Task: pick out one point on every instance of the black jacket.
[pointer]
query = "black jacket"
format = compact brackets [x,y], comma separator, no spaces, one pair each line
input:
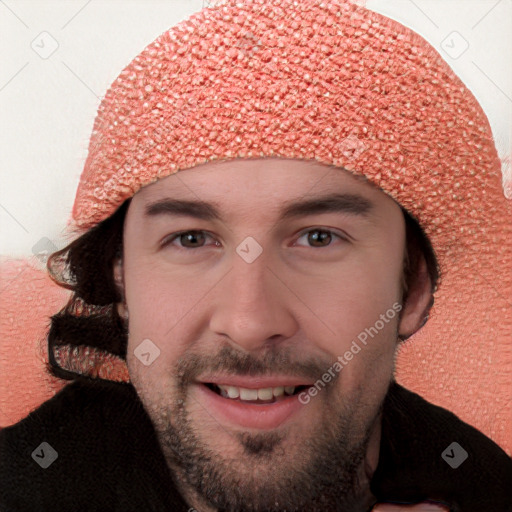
[109,459]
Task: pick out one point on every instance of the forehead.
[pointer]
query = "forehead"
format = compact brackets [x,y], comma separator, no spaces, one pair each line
[281,187]
[270,177]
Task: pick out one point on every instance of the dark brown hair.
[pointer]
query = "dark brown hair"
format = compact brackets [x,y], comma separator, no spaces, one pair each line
[86,266]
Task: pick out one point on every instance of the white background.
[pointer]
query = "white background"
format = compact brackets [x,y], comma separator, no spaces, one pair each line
[47,106]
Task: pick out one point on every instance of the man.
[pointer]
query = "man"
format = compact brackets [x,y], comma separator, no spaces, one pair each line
[261,359]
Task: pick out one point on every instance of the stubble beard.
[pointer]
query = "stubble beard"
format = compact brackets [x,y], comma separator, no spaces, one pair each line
[326,472]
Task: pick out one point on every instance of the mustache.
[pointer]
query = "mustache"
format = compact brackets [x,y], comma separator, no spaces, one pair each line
[232,362]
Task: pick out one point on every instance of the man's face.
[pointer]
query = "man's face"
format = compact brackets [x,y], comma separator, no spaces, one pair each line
[224,316]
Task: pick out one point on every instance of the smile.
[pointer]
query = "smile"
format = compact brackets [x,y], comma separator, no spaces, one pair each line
[261,395]
[261,404]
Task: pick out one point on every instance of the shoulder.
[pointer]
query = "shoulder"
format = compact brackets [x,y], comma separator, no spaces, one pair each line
[427,452]
[91,443]
[84,405]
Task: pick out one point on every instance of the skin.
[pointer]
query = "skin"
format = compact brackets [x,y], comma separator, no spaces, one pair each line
[293,311]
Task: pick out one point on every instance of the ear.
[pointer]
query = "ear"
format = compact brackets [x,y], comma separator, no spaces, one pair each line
[418,302]
[119,281]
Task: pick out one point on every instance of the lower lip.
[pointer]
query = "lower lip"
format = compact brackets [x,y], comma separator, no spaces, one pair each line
[247,415]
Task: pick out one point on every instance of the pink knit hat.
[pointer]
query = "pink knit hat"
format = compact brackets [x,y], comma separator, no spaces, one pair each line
[328,81]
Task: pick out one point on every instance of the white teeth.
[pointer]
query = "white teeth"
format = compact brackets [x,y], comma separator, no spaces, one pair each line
[232,392]
[265,394]
[248,394]
[255,394]
[279,391]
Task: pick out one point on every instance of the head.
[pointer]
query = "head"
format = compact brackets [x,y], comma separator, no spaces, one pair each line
[209,316]
[249,292]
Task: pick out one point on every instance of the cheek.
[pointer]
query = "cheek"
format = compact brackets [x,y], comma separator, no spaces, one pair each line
[356,318]
[375,284]
[354,298]
[156,311]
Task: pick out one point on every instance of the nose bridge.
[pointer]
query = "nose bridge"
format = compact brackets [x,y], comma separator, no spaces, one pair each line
[249,281]
[252,309]
[250,260]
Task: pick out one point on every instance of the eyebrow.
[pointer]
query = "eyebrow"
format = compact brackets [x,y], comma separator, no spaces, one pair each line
[353,204]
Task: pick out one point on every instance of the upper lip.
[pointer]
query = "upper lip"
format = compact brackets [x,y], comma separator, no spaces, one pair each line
[254,382]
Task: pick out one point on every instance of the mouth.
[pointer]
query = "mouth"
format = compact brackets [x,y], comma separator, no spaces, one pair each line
[264,395]
[260,403]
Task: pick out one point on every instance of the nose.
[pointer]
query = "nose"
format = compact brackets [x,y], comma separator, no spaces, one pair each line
[254,306]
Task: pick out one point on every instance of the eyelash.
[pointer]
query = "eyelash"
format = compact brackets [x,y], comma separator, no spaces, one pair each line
[171,238]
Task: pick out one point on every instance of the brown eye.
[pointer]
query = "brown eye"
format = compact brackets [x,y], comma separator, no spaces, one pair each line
[187,239]
[320,237]
[193,237]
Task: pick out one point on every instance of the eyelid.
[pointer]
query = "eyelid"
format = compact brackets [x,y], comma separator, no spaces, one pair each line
[169,239]
[335,231]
